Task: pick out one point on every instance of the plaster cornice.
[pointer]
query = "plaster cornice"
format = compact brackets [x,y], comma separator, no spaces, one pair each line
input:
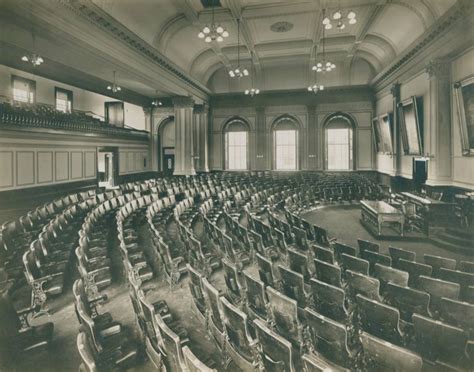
[100,18]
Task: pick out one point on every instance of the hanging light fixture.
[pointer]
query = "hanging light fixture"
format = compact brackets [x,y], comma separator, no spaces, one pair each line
[156,102]
[114,87]
[213,32]
[253,90]
[315,88]
[238,71]
[340,19]
[33,58]
[324,65]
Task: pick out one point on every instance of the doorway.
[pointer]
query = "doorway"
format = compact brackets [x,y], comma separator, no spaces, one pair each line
[107,159]
[168,161]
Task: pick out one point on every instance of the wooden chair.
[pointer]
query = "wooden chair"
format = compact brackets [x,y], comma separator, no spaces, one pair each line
[438,289]
[387,275]
[353,263]
[465,280]
[323,254]
[283,316]
[438,262]
[365,245]
[380,320]
[329,300]
[376,258]
[362,284]
[380,355]
[414,270]
[265,271]
[340,248]
[448,349]
[276,352]
[329,339]
[407,300]
[328,273]
[238,335]
[292,285]
[256,297]
[398,253]
[459,314]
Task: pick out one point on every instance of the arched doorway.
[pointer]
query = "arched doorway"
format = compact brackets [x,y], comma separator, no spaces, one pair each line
[236,144]
[166,145]
[339,142]
[285,135]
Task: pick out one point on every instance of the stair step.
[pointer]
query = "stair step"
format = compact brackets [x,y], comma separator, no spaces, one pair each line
[452,247]
[460,232]
[455,239]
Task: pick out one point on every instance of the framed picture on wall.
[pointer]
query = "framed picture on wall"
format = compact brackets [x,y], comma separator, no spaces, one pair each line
[411,125]
[378,142]
[386,132]
[464,92]
[382,127]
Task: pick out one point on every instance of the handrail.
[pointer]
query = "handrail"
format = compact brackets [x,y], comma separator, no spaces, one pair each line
[20,118]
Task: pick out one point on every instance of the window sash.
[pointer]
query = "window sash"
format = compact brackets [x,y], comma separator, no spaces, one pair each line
[23,90]
[236,150]
[285,149]
[339,149]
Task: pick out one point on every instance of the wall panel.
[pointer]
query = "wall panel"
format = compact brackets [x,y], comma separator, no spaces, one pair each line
[62,165]
[89,164]
[6,169]
[25,168]
[77,165]
[44,161]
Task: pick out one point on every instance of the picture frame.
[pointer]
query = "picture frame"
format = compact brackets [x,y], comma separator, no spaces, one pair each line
[464,96]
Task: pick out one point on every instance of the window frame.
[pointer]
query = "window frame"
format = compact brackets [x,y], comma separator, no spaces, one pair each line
[31,86]
[106,112]
[226,148]
[275,150]
[352,141]
[69,94]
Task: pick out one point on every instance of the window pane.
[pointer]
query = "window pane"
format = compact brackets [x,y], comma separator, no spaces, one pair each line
[236,150]
[285,149]
[339,149]
[62,101]
[22,91]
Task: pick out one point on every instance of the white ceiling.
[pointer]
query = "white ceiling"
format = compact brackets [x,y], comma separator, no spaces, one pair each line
[282,60]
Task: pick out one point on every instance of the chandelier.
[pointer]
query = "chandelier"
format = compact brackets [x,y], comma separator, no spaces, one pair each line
[324,66]
[213,32]
[238,71]
[34,59]
[340,19]
[114,87]
[315,88]
[156,102]
[252,92]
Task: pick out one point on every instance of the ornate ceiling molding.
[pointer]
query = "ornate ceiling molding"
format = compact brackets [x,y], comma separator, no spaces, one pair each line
[100,18]
[443,25]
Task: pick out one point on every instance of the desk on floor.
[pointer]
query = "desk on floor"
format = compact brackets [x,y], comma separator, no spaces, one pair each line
[377,213]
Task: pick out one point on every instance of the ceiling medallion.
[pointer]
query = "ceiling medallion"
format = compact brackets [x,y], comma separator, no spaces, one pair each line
[281,26]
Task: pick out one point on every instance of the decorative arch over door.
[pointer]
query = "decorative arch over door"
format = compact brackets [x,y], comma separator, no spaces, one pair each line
[339,142]
[236,144]
[166,140]
[285,136]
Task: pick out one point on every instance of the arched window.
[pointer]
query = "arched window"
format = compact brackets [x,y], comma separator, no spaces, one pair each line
[339,144]
[285,144]
[236,145]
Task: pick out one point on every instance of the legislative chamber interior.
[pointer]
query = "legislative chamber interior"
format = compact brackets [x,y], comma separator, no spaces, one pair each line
[236,185]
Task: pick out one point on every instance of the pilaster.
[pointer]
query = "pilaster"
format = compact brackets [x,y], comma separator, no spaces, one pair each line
[184,151]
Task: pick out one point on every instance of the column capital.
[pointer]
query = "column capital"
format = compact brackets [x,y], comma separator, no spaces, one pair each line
[260,109]
[395,90]
[183,102]
[147,110]
[201,109]
[438,68]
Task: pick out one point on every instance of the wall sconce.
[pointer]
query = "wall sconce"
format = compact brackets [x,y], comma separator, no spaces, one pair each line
[311,156]
[259,156]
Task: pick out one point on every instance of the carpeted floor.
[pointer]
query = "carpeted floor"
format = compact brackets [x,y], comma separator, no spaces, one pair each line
[342,222]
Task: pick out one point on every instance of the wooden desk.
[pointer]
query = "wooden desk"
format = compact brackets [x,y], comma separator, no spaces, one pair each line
[378,212]
[432,212]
